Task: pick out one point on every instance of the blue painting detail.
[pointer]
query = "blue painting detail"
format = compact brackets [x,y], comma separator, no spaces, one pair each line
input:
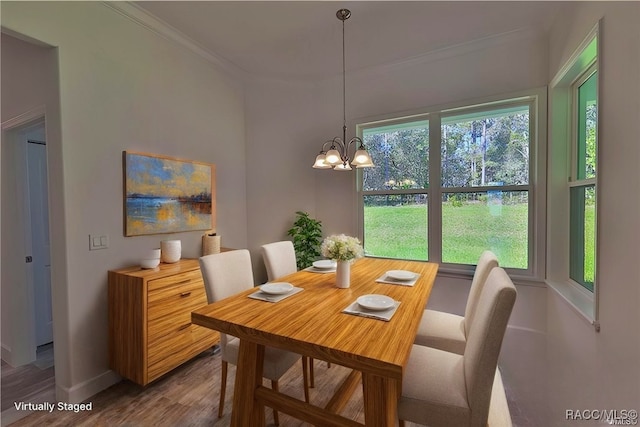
[166,195]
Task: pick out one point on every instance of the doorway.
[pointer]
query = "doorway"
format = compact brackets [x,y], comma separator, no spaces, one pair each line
[32,376]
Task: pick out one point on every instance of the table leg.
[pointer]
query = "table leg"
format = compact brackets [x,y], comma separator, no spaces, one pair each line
[380,400]
[246,409]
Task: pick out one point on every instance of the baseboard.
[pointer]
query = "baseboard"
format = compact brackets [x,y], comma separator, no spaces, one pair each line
[85,390]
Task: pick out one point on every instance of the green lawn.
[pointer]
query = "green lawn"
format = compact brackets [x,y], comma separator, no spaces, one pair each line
[589,244]
[467,230]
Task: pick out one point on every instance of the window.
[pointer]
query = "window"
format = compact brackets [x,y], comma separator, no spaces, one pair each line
[582,181]
[395,190]
[572,190]
[449,184]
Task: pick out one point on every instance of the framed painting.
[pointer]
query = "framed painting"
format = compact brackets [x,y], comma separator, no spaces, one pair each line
[167,195]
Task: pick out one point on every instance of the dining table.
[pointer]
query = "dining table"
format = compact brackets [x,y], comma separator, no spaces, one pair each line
[312,322]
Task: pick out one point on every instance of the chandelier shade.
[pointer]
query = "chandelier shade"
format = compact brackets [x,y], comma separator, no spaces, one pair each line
[335,153]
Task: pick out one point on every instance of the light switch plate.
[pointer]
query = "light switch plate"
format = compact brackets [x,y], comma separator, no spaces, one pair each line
[98,241]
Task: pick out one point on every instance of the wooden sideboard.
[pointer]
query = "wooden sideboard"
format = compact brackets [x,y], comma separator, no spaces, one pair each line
[150,329]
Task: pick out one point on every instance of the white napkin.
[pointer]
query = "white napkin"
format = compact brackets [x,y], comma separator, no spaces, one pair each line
[312,269]
[385,279]
[356,309]
[263,296]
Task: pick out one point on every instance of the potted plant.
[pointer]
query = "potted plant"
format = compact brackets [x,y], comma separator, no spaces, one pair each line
[306,233]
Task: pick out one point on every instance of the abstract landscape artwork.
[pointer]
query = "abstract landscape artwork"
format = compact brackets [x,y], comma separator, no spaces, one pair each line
[167,195]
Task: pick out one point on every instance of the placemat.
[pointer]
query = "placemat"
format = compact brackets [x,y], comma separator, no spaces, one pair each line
[263,296]
[312,269]
[385,279]
[357,310]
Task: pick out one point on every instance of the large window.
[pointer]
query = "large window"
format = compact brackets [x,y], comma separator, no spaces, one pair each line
[450,184]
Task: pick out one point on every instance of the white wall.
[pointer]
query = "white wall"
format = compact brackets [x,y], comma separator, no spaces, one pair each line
[586,369]
[121,87]
[293,119]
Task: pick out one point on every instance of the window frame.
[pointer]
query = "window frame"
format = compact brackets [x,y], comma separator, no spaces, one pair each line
[536,100]
[562,166]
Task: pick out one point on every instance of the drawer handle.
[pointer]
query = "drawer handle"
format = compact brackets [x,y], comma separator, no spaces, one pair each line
[183,327]
[185,294]
[183,282]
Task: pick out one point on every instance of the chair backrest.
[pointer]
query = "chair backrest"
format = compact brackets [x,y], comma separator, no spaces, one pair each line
[486,263]
[485,340]
[279,258]
[226,273]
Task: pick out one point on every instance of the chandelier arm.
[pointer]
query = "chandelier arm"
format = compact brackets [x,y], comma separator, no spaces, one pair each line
[324,146]
[340,144]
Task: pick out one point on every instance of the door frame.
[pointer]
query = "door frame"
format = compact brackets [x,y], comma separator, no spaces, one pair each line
[23,351]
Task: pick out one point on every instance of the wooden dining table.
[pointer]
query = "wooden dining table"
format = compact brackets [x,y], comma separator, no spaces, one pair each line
[312,323]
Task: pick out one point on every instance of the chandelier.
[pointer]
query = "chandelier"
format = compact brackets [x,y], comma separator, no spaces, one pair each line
[337,157]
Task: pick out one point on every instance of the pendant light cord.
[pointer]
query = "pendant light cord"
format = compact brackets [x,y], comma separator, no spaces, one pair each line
[344,91]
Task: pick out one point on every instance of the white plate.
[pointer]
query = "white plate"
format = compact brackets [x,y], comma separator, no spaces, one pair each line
[376,302]
[276,288]
[324,264]
[401,274]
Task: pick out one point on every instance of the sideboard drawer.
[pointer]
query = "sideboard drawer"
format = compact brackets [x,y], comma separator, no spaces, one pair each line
[183,278]
[177,320]
[175,299]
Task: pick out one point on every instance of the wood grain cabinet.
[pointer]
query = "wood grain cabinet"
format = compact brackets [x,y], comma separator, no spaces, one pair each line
[150,329]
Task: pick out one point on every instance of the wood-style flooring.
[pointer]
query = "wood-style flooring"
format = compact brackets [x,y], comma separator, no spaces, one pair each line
[188,396]
[30,383]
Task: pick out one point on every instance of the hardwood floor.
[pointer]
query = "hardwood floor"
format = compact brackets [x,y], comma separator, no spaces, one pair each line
[30,383]
[188,396]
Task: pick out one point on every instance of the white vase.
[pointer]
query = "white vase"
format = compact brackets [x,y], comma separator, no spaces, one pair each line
[343,274]
[171,250]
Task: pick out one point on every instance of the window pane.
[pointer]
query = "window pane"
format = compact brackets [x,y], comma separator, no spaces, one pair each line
[583,235]
[494,220]
[488,148]
[587,120]
[400,154]
[395,226]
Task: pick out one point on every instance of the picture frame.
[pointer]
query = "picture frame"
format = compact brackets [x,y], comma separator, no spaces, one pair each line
[165,194]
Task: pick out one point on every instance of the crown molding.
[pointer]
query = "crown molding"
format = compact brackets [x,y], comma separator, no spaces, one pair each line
[141,17]
[145,19]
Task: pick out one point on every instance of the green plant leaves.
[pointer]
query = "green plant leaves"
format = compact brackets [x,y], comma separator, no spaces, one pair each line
[307,234]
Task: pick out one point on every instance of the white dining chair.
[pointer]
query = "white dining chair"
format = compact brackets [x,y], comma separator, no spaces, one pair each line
[280,259]
[443,389]
[448,331]
[226,274]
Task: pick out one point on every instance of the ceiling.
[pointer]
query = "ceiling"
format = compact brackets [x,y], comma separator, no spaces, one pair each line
[303,39]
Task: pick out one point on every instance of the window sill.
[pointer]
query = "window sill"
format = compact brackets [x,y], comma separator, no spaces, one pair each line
[582,303]
[520,280]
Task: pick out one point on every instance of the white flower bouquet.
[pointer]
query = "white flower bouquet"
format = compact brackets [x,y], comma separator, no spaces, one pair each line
[340,247]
